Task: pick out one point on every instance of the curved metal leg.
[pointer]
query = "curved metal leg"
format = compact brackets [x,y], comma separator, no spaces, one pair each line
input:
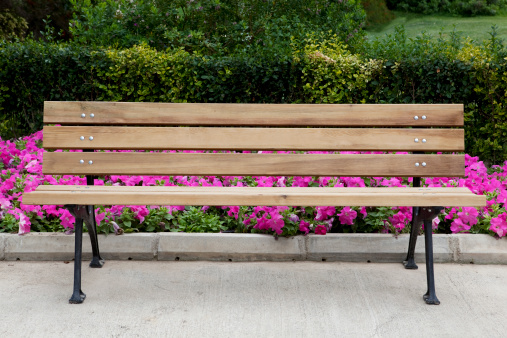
[77,295]
[409,262]
[97,261]
[430,296]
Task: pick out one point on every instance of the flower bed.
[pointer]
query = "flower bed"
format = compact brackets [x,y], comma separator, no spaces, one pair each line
[21,171]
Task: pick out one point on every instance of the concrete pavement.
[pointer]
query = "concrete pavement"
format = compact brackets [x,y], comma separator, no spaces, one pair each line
[251,299]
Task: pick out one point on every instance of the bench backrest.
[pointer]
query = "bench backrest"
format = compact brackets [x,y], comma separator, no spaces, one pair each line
[245,129]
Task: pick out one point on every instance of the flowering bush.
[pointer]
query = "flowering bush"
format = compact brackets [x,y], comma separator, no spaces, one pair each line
[21,171]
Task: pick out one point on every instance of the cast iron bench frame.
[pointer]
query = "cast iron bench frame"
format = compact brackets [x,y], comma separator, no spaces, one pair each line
[97,126]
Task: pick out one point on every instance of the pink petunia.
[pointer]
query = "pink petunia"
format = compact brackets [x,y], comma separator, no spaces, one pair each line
[347,216]
[468,215]
[499,225]
[320,230]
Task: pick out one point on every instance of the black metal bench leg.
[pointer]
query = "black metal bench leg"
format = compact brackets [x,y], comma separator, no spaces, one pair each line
[430,297]
[78,296]
[97,261]
[414,232]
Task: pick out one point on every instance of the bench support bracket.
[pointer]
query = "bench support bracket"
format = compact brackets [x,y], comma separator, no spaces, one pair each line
[86,214]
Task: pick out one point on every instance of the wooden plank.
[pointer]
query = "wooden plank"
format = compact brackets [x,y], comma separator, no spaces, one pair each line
[225,190]
[252,197]
[238,164]
[126,113]
[234,138]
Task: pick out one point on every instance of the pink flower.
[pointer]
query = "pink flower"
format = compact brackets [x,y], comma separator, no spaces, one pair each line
[320,230]
[347,216]
[304,227]
[233,211]
[468,215]
[457,226]
[398,220]
[24,224]
[324,212]
[499,225]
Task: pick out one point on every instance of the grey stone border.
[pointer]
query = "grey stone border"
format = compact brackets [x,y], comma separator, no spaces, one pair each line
[459,248]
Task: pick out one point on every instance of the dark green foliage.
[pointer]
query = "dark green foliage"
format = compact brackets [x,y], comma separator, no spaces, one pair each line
[457,7]
[218,27]
[32,73]
[35,13]
[11,25]
[377,12]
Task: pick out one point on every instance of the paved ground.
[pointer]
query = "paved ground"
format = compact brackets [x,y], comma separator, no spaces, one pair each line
[257,299]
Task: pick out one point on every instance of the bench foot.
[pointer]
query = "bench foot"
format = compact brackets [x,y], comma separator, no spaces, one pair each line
[77,298]
[431,299]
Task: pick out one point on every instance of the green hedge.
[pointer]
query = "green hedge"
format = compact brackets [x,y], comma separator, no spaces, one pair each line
[395,70]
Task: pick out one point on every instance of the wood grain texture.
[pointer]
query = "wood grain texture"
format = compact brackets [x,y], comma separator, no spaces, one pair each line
[234,138]
[142,113]
[217,196]
[237,164]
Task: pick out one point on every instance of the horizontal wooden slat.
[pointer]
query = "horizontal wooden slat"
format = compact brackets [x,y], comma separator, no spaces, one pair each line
[234,138]
[90,195]
[125,113]
[236,164]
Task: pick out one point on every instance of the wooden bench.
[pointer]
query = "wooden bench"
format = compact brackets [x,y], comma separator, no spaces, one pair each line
[98,126]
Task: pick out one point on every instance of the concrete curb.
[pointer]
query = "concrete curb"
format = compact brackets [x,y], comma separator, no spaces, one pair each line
[459,248]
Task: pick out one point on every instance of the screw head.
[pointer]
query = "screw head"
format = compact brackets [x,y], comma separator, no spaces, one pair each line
[423,117]
[91,138]
[92,115]
[416,140]
[417,164]
[81,138]
[416,117]
[424,140]
[81,161]
[83,115]
[424,164]
[90,162]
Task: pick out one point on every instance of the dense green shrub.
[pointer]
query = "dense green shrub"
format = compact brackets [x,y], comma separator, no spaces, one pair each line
[11,25]
[393,70]
[212,27]
[31,73]
[377,12]
[458,7]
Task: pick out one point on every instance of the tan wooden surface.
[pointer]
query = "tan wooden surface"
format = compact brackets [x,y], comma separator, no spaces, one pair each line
[125,113]
[357,190]
[253,196]
[236,164]
[233,138]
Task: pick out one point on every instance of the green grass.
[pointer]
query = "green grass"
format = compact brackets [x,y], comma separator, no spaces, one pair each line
[477,28]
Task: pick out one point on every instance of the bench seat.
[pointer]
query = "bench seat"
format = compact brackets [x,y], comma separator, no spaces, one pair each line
[270,196]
